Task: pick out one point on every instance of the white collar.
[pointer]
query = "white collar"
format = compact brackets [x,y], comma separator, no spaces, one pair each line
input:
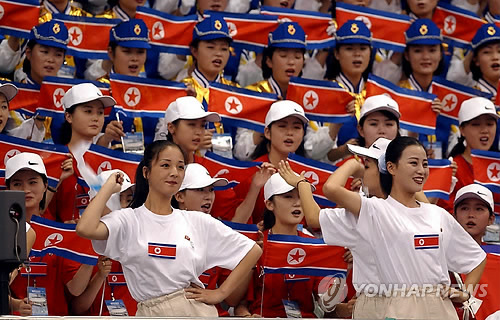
[416,86]
[484,86]
[53,9]
[342,79]
[204,82]
[122,15]
[275,87]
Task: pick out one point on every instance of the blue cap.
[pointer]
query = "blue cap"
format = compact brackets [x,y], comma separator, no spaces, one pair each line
[423,32]
[52,33]
[354,32]
[487,33]
[210,28]
[1,37]
[287,35]
[130,34]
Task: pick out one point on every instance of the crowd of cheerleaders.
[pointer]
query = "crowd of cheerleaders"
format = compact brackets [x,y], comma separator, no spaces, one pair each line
[392,234]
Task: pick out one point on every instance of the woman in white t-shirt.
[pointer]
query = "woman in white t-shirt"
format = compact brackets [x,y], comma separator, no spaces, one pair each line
[163,250]
[413,244]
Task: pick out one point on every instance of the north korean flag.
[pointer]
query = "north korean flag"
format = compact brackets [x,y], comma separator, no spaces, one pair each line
[116,279]
[240,107]
[452,95]
[316,172]
[458,25]
[249,31]
[52,155]
[249,230]
[438,183]
[323,101]
[26,99]
[387,28]
[486,168]
[61,239]
[426,241]
[34,269]
[303,256]
[491,302]
[169,33]
[53,90]
[414,106]
[17,17]
[313,23]
[82,31]
[235,171]
[162,250]
[142,97]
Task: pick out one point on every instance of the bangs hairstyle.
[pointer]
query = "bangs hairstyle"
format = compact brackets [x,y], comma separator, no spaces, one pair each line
[45,181]
[151,153]
[333,68]
[65,131]
[389,115]
[407,70]
[263,147]
[196,43]
[268,54]
[476,71]
[393,154]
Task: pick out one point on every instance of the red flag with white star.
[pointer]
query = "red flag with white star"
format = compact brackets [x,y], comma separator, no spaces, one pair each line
[82,31]
[142,97]
[323,101]
[304,256]
[17,17]
[240,107]
[26,99]
[61,239]
[486,168]
[489,282]
[458,25]
[438,183]
[168,33]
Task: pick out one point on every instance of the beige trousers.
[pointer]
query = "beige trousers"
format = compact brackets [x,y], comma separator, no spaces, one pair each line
[428,306]
[175,305]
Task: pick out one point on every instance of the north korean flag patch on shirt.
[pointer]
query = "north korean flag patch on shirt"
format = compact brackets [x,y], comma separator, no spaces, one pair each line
[426,241]
[162,250]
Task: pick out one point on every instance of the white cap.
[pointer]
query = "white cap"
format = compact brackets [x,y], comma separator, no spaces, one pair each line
[285,108]
[24,160]
[127,183]
[83,93]
[188,108]
[475,191]
[197,176]
[379,103]
[376,150]
[475,107]
[9,90]
[277,185]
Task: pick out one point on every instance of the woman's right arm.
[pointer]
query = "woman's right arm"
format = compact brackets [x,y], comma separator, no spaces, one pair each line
[334,187]
[90,226]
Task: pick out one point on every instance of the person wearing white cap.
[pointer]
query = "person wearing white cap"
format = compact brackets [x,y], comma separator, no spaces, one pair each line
[478,121]
[7,92]
[412,244]
[167,249]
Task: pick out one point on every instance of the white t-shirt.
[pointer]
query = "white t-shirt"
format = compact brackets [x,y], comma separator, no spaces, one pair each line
[201,242]
[338,227]
[399,238]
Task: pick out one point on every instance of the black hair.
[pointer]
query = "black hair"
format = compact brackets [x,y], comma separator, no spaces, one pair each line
[263,147]
[151,153]
[459,148]
[27,64]
[388,114]
[407,66]
[393,154]
[457,204]
[268,54]
[170,137]
[44,198]
[65,132]
[333,67]
[269,217]
[196,43]
[476,71]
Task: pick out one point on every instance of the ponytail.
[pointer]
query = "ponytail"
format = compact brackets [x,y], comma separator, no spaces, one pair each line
[459,148]
[269,219]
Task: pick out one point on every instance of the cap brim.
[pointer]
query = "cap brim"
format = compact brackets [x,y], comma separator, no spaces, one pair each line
[106,101]
[134,44]
[494,115]
[208,116]
[362,151]
[216,182]
[470,195]
[214,36]
[354,41]
[126,186]
[9,175]
[9,90]
[424,42]
[383,108]
[298,115]
[291,45]
[54,44]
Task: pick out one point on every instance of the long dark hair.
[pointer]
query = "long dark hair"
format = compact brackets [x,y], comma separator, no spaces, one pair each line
[333,68]
[65,132]
[263,147]
[476,71]
[407,70]
[268,54]
[459,148]
[269,217]
[26,63]
[44,198]
[389,115]
[151,153]
[393,154]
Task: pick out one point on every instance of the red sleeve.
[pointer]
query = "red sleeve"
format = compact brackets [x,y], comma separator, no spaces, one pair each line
[225,204]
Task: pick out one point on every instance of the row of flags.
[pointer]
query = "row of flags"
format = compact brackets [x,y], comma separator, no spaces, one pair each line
[169,33]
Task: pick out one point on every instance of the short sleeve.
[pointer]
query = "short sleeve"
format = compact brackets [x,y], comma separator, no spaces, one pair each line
[366,218]
[28,227]
[118,229]
[338,227]
[230,246]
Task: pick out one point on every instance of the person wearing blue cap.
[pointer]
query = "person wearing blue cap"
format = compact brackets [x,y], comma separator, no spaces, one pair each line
[282,59]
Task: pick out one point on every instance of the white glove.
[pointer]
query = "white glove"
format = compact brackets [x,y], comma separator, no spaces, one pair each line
[332,28]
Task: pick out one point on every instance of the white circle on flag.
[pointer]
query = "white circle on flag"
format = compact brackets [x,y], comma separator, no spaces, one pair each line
[450,102]
[366,21]
[83,201]
[2,11]
[310,100]
[104,166]
[421,242]
[132,96]
[221,172]
[10,154]
[332,291]
[158,31]
[157,250]
[53,239]
[312,176]
[75,36]
[233,105]
[494,171]
[232,29]
[450,24]
[114,278]
[57,97]
[296,256]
